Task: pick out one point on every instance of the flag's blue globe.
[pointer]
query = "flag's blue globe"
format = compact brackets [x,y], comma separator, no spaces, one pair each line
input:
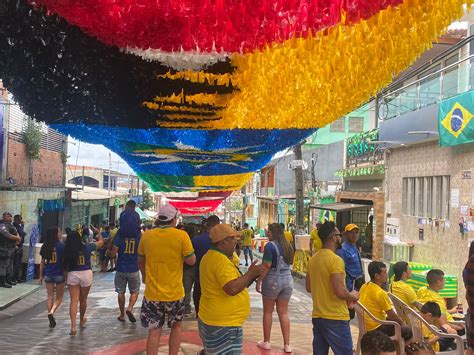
[456,120]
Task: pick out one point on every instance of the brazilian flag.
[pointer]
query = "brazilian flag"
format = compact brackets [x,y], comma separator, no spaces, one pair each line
[455,118]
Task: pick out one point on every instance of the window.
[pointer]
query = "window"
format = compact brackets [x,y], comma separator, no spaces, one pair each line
[356,124]
[426,197]
[339,125]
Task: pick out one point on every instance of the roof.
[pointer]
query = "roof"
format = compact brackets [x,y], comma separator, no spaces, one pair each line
[339,206]
[92,193]
[143,215]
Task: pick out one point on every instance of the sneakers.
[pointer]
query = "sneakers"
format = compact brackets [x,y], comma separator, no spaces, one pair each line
[264,345]
[287,348]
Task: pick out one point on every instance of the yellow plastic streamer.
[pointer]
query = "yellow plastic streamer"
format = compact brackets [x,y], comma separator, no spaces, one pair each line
[221,182]
[199,77]
[308,83]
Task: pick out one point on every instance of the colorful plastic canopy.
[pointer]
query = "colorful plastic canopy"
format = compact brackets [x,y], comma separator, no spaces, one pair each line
[197,95]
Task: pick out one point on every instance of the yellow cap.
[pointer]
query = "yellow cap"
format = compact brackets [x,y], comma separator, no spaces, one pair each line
[351,227]
[222,231]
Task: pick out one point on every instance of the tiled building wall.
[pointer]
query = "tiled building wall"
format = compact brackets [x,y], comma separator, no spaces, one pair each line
[46,172]
[444,247]
[378,201]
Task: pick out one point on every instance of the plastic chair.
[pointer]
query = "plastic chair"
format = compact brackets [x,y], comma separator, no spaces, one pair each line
[363,312]
[417,321]
[399,306]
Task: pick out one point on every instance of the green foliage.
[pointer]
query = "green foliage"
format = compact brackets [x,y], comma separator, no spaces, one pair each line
[64,157]
[147,203]
[32,136]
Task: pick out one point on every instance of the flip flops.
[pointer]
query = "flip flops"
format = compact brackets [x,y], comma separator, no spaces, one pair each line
[131,317]
[52,321]
[120,319]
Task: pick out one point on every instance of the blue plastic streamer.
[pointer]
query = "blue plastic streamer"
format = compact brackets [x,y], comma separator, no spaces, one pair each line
[161,151]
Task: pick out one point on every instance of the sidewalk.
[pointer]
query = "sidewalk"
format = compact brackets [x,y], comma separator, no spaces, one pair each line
[8,296]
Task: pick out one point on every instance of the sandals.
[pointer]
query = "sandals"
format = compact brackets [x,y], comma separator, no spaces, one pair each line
[73,332]
[52,321]
[131,317]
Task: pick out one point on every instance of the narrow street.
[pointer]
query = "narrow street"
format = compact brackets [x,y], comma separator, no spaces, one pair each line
[105,335]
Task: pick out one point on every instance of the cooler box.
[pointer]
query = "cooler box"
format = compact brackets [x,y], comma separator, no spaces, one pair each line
[418,279]
[302,241]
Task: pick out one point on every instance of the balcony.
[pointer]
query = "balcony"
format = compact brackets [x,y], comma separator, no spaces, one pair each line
[442,77]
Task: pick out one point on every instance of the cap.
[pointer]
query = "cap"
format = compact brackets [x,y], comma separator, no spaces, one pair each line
[351,227]
[7,214]
[167,213]
[222,231]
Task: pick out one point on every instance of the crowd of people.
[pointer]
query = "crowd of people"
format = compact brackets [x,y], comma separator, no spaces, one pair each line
[178,263]
[336,281]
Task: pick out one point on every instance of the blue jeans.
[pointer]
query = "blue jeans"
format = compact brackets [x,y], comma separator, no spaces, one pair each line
[334,334]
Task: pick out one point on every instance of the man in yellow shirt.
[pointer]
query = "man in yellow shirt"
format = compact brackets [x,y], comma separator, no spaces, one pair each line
[225,301]
[376,300]
[325,279]
[435,280]
[399,286]
[247,236]
[315,243]
[161,254]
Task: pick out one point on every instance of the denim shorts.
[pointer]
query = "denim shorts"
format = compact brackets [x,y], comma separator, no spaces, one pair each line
[277,286]
[124,278]
[334,334]
[58,279]
[247,250]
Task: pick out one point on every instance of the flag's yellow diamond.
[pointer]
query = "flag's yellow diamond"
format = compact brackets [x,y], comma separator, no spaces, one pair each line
[456,120]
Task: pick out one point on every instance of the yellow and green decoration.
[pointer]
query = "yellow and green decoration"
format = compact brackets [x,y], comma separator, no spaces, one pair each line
[196,95]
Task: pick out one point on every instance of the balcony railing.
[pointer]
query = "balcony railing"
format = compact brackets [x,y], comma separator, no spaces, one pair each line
[430,89]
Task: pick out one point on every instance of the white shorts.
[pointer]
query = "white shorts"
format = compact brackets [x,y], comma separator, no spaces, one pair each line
[83,278]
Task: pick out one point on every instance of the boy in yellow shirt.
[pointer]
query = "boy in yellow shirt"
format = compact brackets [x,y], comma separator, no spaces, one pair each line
[430,313]
[435,280]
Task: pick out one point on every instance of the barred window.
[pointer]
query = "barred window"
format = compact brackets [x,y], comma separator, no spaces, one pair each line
[426,196]
[356,124]
[339,125]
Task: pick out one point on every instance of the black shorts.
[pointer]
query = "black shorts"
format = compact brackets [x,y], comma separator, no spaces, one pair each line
[153,313]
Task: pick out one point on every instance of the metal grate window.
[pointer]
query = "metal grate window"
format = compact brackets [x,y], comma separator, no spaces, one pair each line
[356,124]
[339,125]
[17,122]
[426,197]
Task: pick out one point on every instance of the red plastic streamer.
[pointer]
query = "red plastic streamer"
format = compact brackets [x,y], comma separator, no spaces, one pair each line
[196,206]
[208,25]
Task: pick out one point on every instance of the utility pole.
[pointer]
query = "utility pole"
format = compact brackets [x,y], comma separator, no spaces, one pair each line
[299,189]
[82,179]
[110,172]
[244,204]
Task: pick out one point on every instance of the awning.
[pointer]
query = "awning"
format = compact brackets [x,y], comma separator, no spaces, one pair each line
[340,206]
[143,215]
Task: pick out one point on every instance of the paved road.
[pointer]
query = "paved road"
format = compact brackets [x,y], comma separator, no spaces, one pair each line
[24,326]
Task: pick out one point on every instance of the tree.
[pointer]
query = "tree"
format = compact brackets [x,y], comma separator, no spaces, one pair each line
[148,203]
